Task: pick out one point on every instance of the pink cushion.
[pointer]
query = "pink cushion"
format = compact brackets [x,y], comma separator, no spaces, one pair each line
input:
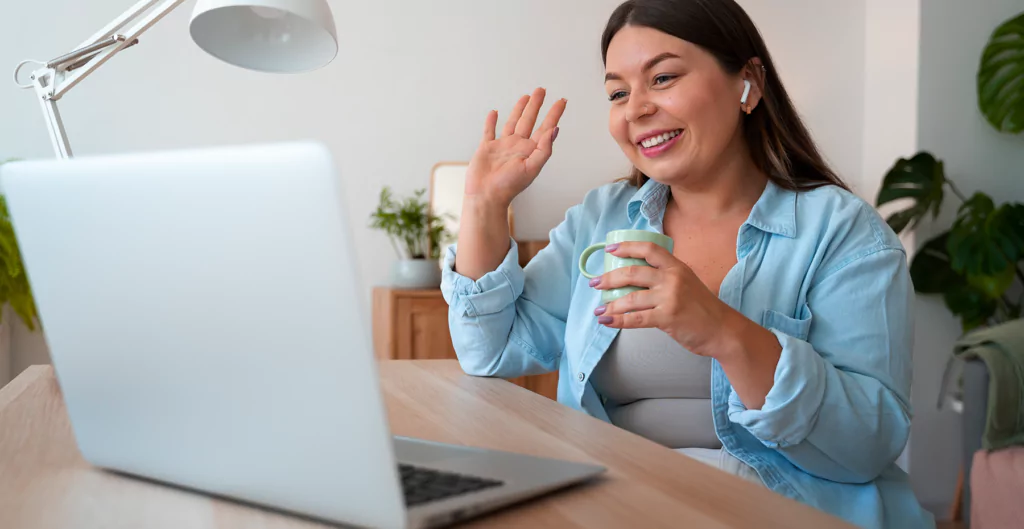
[997,489]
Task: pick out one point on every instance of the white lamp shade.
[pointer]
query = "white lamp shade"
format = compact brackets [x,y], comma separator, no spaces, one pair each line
[279,36]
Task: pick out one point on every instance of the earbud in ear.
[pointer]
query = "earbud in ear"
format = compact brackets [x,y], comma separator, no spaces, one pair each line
[746,92]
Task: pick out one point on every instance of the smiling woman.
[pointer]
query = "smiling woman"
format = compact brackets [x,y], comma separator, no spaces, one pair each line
[701,75]
[772,341]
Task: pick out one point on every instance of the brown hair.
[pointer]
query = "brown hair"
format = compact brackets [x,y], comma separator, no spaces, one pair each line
[778,141]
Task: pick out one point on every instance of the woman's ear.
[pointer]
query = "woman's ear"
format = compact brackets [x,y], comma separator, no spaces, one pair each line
[753,83]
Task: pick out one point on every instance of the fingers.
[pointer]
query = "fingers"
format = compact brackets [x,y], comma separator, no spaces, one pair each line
[632,302]
[524,116]
[655,255]
[551,120]
[525,126]
[635,276]
[513,118]
[490,124]
[542,153]
[633,320]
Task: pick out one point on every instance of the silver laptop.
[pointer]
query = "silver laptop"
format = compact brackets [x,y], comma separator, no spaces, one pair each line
[209,330]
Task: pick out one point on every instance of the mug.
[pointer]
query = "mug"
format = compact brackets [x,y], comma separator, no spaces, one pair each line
[612,262]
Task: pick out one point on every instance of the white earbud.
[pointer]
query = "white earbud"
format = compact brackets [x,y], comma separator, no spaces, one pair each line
[746,92]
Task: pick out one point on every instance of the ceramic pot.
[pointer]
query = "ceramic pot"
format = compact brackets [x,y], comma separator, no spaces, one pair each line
[415,273]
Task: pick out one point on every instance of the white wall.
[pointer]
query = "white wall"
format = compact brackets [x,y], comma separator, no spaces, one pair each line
[890,88]
[977,158]
[892,31]
[818,48]
[410,87]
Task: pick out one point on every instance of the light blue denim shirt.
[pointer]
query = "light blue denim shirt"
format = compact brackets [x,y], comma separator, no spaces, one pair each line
[818,268]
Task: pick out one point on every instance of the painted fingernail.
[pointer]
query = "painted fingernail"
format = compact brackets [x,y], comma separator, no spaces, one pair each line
[596,281]
[611,247]
[600,310]
[554,135]
[605,320]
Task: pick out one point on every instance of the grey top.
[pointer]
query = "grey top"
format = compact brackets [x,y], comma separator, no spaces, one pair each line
[655,388]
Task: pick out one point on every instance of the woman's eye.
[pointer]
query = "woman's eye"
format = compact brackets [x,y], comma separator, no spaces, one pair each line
[663,78]
[617,95]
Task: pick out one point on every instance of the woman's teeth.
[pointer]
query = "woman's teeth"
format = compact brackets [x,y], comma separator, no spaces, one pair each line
[658,140]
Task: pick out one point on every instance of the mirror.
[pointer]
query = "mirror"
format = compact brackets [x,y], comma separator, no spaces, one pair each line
[447,186]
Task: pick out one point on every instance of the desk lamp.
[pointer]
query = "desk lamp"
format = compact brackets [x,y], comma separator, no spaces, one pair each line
[279,36]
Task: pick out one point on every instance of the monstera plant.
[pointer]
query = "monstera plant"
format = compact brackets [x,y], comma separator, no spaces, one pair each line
[1001,77]
[14,287]
[975,264]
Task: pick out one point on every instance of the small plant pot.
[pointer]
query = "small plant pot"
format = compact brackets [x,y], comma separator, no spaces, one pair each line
[415,273]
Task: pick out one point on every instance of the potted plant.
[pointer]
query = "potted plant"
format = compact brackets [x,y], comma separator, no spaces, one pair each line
[417,236]
[976,262]
[14,288]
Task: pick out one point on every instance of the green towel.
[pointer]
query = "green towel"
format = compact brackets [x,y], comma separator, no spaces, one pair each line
[1002,349]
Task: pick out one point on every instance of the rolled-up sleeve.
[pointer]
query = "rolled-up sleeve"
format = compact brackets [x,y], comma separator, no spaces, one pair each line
[511,321]
[489,294]
[839,408]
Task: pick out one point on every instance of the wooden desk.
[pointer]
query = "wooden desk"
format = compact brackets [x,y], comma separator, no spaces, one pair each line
[45,483]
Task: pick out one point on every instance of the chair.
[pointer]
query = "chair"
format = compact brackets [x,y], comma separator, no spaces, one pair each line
[993,482]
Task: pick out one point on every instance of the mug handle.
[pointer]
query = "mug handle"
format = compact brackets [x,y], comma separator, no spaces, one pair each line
[586,255]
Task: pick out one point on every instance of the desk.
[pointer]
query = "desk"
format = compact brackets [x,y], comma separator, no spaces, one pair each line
[45,483]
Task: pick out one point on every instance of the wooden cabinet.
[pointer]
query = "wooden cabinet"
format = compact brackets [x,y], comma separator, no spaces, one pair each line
[410,324]
[413,324]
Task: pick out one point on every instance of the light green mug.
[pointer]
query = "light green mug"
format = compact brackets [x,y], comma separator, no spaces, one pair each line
[612,262]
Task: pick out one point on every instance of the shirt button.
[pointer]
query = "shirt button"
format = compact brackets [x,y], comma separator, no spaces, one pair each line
[581,376]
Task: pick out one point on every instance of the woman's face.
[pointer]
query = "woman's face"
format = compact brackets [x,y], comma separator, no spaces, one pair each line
[674,111]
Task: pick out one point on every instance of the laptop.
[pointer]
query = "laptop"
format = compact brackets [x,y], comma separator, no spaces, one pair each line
[208,329]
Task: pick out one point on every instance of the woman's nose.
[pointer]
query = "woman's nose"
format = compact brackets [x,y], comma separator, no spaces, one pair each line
[638,108]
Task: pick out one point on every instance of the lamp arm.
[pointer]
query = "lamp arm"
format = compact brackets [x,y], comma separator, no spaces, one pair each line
[120,22]
[130,37]
[59,75]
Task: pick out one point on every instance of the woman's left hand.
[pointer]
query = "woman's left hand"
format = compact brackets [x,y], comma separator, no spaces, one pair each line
[676,301]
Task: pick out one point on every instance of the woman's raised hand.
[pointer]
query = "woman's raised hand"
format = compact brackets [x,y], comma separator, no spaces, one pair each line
[504,166]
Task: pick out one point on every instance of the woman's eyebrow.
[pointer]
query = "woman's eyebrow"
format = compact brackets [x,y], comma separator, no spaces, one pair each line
[610,76]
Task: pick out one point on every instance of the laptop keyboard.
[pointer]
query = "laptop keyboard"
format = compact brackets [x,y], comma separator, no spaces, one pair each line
[423,485]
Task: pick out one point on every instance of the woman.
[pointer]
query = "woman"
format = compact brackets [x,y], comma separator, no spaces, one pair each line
[773,342]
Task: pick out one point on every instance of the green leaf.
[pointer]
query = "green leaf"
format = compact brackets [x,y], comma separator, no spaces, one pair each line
[1008,225]
[974,299]
[413,229]
[1001,77]
[899,220]
[994,285]
[930,268]
[919,179]
[14,286]
[972,305]
[986,240]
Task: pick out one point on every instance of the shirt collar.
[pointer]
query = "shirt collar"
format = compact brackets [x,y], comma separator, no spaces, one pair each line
[650,200]
[774,212]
